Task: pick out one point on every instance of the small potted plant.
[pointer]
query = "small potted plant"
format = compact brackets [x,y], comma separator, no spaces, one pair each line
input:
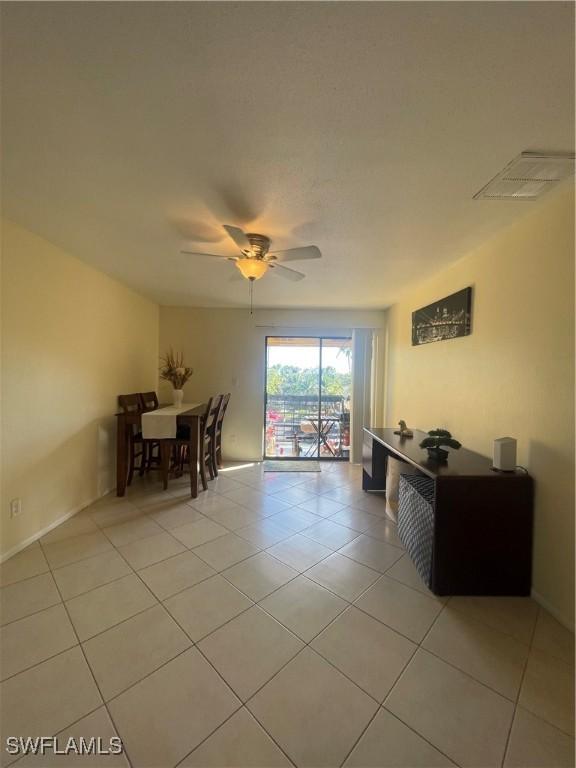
[174,371]
[434,442]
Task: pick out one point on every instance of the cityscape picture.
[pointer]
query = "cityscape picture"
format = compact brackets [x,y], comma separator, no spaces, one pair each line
[444,319]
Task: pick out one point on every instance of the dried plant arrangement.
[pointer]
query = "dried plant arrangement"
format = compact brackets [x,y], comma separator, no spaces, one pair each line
[174,370]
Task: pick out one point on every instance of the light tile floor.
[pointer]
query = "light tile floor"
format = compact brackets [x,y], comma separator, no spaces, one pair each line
[274,621]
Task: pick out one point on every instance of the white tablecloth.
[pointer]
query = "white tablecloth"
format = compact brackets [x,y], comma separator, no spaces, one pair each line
[161,423]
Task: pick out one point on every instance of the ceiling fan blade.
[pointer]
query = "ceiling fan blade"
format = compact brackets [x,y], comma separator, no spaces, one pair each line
[295,254]
[238,236]
[289,274]
[210,255]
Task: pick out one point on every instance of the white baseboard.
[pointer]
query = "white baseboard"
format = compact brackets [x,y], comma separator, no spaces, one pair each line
[48,528]
[552,610]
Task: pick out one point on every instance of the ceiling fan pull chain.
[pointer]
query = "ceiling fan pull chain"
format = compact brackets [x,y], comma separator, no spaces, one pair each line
[251,295]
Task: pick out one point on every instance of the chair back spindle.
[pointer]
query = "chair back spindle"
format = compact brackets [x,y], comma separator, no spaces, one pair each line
[217,443]
[130,403]
[149,401]
[223,408]
[211,417]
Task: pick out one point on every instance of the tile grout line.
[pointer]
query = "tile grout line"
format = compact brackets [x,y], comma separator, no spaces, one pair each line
[530,646]
[19,758]
[467,674]
[81,594]
[445,605]
[390,628]
[484,623]
[400,675]
[378,709]
[208,661]
[91,672]
[424,738]
[33,613]
[101,529]
[194,645]
[403,671]
[135,572]
[81,559]
[86,640]
[26,578]
[38,663]
[306,645]
[421,647]
[418,647]
[303,573]
[236,711]
[396,716]
[450,664]
[244,703]
[309,646]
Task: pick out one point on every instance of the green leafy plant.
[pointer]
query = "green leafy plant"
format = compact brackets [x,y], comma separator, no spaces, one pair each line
[174,370]
[435,440]
[289,379]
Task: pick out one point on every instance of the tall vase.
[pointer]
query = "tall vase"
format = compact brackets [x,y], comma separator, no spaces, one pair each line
[177,396]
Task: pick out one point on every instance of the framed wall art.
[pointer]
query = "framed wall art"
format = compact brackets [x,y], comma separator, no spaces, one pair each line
[447,318]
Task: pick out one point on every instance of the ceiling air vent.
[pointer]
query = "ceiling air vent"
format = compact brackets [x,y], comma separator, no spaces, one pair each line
[528,177]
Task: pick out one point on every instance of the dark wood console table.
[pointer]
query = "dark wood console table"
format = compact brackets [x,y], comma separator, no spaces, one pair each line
[482,519]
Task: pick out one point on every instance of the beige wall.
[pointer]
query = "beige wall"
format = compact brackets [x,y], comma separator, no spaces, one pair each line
[226,349]
[513,376]
[72,340]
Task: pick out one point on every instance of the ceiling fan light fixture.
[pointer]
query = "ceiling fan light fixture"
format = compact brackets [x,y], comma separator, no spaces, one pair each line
[255,257]
[252,269]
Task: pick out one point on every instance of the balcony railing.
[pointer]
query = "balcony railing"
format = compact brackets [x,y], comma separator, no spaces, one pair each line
[294,427]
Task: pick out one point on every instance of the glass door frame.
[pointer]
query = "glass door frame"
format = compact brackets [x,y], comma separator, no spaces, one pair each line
[320,371]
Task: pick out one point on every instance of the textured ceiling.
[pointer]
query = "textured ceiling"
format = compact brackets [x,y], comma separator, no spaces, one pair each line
[131,130]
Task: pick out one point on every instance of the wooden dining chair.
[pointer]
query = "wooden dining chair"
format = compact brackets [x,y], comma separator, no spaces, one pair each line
[209,439]
[132,404]
[179,446]
[151,448]
[149,401]
[217,442]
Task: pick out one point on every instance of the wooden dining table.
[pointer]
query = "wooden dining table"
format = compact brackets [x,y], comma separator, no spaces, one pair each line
[132,422]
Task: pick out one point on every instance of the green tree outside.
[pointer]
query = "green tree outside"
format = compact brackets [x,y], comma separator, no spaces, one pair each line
[290,380]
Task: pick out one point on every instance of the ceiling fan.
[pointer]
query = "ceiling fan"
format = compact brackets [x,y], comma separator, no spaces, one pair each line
[256,259]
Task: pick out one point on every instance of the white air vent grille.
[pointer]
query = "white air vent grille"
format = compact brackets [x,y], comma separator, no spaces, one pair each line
[528,176]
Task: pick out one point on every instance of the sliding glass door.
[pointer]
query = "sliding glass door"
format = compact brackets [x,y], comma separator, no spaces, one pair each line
[307,406]
[335,393]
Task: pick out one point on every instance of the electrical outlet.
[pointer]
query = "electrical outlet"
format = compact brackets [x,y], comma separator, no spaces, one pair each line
[15,507]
